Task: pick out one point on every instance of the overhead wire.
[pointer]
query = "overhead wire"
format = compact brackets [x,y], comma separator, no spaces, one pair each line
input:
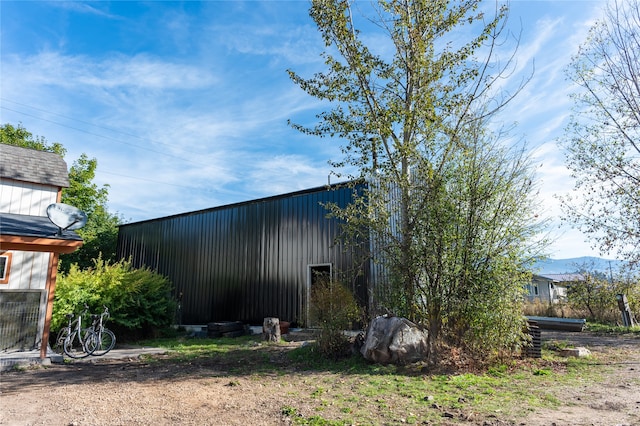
[95,134]
[151,180]
[104,137]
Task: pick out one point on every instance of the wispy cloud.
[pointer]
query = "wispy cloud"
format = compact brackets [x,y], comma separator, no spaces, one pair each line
[283,173]
[119,71]
[84,8]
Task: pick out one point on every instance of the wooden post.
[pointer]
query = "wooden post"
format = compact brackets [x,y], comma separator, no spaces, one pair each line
[271,329]
[50,290]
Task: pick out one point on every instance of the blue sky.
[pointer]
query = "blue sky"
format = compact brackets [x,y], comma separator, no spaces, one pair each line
[185,104]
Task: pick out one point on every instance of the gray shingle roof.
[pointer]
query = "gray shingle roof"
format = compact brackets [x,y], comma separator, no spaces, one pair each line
[30,165]
[562,277]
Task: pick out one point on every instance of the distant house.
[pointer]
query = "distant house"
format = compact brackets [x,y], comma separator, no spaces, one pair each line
[551,288]
[30,244]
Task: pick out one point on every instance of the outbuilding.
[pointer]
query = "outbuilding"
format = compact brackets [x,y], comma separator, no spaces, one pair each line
[551,288]
[254,259]
[30,245]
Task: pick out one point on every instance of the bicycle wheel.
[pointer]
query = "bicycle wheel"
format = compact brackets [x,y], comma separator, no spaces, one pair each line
[76,347]
[58,344]
[103,341]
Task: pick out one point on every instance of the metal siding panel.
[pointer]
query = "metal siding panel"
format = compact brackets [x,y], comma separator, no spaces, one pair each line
[218,293]
[241,262]
[286,264]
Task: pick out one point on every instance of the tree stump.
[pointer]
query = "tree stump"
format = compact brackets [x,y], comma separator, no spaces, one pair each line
[271,329]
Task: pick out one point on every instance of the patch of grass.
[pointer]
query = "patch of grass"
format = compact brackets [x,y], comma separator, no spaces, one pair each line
[317,392]
[613,329]
[316,420]
[192,348]
[353,391]
[289,411]
[555,345]
[310,357]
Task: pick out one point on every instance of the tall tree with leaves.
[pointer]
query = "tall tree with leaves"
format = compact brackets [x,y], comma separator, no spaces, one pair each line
[19,136]
[101,231]
[448,205]
[602,140]
[100,234]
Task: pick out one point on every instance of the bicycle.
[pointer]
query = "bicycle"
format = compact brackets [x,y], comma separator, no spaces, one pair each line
[75,341]
[104,339]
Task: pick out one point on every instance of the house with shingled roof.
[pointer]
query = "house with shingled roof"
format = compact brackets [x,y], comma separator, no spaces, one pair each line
[30,245]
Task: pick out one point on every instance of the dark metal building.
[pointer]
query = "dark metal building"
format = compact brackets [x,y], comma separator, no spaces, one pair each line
[250,260]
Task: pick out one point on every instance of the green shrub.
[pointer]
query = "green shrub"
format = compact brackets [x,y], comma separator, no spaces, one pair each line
[139,300]
[334,309]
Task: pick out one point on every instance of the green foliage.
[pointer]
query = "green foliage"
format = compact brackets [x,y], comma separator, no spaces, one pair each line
[100,234]
[334,309]
[19,136]
[595,296]
[100,240]
[448,210]
[82,192]
[139,300]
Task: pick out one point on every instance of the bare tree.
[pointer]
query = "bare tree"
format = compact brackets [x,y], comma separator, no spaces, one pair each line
[602,140]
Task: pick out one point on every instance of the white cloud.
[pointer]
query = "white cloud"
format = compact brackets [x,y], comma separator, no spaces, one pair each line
[117,71]
[283,173]
[83,8]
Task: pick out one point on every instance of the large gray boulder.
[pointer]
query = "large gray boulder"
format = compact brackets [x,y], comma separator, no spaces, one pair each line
[394,340]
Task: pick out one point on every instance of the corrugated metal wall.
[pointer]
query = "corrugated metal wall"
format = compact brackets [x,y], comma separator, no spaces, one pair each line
[245,261]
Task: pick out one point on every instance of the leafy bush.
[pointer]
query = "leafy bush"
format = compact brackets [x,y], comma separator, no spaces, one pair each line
[139,300]
[334,309]
[595,296]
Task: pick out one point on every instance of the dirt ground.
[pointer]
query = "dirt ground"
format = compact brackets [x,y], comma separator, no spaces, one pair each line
[139,392]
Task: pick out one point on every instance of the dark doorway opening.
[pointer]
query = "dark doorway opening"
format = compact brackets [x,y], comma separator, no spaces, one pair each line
[316,274]
[319,273]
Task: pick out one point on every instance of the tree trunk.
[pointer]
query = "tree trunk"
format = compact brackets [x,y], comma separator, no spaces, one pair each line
[271,329]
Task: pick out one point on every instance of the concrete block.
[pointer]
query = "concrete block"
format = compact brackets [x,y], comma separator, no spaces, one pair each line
[576,352]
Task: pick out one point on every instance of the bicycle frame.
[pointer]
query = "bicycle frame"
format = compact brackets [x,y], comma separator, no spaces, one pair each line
[74,332]
[105,340]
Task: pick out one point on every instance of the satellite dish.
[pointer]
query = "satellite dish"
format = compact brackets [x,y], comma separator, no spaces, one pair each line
[66,217]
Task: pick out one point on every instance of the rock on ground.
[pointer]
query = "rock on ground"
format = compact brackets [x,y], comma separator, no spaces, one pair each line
[394,340]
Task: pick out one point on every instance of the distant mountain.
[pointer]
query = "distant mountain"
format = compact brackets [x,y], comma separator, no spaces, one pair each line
[567,266]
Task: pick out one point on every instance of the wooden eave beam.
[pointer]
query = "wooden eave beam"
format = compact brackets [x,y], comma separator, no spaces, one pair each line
[38,244]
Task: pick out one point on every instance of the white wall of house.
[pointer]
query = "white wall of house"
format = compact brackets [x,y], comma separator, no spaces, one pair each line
[26,198]
[28,269]
[546,291]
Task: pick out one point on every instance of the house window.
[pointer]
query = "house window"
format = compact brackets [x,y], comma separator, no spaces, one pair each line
[535,289]
[5,266]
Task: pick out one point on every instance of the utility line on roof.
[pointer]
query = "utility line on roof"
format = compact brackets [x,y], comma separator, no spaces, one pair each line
[101,136]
